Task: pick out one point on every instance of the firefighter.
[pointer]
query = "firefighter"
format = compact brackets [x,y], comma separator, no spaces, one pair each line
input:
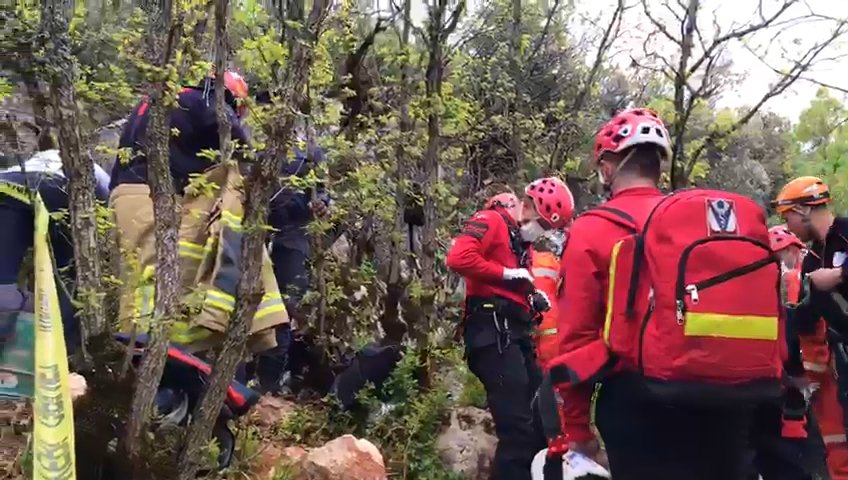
[491,254]
[211,227]
[196,121]
[803,204]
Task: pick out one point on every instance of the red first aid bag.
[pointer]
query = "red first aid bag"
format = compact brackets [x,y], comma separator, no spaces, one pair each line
[694,301]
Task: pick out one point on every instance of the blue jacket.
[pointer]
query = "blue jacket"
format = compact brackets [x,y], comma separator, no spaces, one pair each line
[290,211]
[195,119]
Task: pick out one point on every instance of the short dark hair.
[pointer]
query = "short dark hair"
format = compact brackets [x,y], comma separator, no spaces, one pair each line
[645,161]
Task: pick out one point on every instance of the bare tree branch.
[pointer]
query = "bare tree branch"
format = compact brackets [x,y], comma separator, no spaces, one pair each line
[610,34]
[795,73]
[739,33]
[659,25]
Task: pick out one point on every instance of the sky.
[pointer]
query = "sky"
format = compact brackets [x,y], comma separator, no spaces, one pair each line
[754,75]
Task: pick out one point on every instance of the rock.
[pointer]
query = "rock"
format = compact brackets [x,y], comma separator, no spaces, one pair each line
[341,249]
[267,462]
[271,460]
[272,411]
[468,444]
[294,454]
[344,458]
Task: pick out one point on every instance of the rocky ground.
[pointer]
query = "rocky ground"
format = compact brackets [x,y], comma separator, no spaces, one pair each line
[466,445]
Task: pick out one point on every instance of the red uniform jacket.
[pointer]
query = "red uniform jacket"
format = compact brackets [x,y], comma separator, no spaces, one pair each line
[481,252]
[585,266]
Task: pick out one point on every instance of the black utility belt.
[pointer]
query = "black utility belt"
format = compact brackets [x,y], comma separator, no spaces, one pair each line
[502,306]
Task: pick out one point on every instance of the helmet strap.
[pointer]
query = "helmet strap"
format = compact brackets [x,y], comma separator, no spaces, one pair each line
[607,182]
[807,219]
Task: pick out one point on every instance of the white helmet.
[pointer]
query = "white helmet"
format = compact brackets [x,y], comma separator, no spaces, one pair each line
[575,466]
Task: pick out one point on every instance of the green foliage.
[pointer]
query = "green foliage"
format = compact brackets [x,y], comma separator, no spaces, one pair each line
[822,135]
[5,88]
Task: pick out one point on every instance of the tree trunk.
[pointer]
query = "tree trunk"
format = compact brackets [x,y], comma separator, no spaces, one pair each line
[78,167]
[681,110]
[393,326]
[166,225]
[258,189]
[207,411]
[438,34]
[517,79]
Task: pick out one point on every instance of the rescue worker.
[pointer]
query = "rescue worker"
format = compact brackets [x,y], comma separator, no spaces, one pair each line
[210,225]
[291,211]
[803,204]
[501,303]
[786,437]
[43,173]
[644,438]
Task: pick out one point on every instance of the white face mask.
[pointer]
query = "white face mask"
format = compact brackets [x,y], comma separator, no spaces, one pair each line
[531,231]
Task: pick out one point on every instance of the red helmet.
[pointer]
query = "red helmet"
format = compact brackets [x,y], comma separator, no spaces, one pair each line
[780,237]
[553,200]
[238,87]
[634,126]
[506,200]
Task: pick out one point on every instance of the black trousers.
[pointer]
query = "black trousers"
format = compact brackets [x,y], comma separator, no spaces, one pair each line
[648,440]
[511,377]
[778,458]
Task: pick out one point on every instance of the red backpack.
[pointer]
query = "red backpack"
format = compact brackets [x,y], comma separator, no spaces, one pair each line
[694,300]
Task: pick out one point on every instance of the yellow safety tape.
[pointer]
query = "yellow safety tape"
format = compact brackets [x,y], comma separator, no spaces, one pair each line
[53,431]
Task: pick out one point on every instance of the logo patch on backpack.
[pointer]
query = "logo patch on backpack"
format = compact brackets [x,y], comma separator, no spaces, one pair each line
[721,216]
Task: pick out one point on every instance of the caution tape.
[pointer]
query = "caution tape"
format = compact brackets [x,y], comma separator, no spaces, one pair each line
[53,432]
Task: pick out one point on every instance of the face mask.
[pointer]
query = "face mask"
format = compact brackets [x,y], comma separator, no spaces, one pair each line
[530,231]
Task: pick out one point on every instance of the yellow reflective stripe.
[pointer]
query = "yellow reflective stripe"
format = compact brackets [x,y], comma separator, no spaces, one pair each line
[18,192]
[271,303]
[191,250]
[815,367]
[546,332]
[144,304]
[743,327]
[231,220]
[185,334]
[220,300]
[836,438]
[611,290]
[148,273]
[545,272]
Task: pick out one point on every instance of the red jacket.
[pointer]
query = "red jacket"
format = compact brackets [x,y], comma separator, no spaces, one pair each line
[585,266]
[481,252]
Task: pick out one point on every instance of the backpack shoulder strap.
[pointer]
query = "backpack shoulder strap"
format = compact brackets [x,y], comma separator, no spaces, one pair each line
[515,243]
[616,216]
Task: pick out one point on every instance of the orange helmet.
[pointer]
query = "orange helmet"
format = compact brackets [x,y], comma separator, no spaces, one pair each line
[506,200]
[806,191]
[237,86]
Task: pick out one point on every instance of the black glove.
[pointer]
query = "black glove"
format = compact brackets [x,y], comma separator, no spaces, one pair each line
[539,301]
